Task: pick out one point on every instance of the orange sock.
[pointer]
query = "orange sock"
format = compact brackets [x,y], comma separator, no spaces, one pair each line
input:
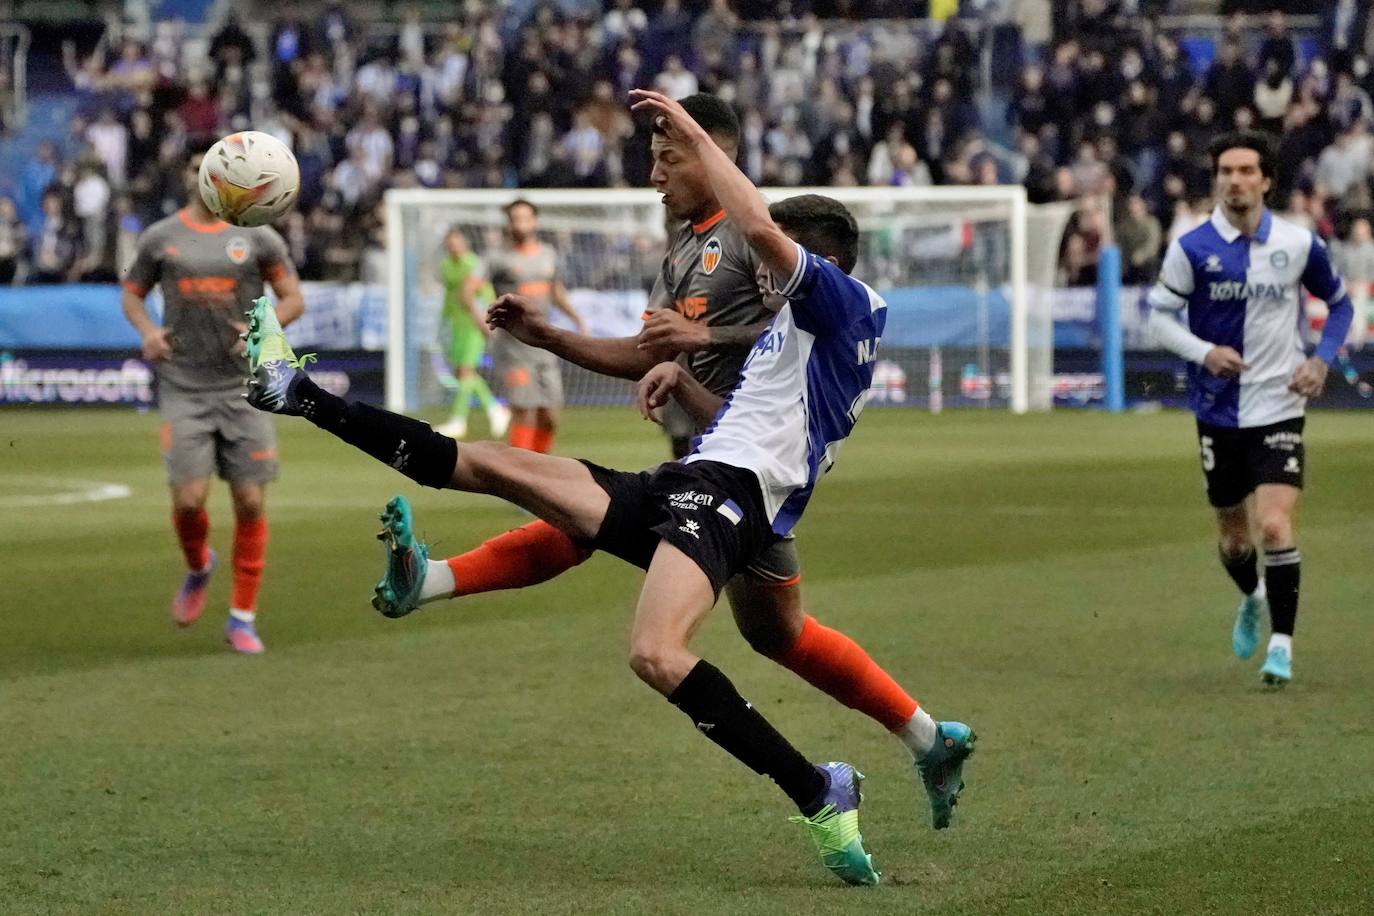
[250,545]
[524,556]
[522,436]
[543,440]
[193,532]
[832,662]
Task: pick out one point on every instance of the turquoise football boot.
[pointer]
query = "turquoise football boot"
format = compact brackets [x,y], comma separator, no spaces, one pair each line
[398,593]
[942,769]
[1278,668]
[1245,632]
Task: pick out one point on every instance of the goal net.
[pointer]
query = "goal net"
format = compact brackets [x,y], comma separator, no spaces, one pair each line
[967,273]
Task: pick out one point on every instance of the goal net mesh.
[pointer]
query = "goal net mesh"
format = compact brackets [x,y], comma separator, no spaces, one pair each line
[944,264]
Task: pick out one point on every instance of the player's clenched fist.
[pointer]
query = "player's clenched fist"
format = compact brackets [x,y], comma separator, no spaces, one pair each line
[1224,362]
[518,316]
[667,329]
[653,391]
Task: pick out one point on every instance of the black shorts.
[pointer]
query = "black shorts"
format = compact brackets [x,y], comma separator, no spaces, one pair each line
[1235,461]
[710,511]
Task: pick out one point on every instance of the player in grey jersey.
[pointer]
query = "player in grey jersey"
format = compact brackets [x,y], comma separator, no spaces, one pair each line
[209,271]
[711,275]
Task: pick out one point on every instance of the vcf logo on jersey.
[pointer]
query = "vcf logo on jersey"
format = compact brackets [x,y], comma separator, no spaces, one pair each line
[237,249]
[710,255]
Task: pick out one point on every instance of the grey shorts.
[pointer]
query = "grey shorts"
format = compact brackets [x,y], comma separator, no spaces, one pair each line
[530,377]
[215,432]
[779,564]
[677,423]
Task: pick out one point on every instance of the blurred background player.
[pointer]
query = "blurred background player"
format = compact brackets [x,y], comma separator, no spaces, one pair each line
[1240,275]
[466,298]
[531,379]
[210,272]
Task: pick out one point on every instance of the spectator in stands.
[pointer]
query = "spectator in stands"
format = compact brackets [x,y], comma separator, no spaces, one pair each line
[1277,47]
[54,246]
[1229,83]
[38,173]
[13,241]
[1273,93]
[1354,258]
[232,46]
[675,81]
[91,205]
[1140,238]
[200,113]
[1346,30]
[1343,169]
[110,138]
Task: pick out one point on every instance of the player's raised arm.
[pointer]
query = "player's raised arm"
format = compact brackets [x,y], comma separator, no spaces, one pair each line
[739,198]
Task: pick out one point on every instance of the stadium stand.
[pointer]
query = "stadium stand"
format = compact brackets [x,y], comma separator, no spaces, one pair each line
[1091,100]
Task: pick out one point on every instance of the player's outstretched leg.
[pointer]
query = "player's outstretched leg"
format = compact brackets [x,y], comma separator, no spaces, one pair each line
[522,557]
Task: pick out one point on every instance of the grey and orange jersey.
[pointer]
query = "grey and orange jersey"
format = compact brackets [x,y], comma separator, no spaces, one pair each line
[528,270]
[710,274]
[209,274]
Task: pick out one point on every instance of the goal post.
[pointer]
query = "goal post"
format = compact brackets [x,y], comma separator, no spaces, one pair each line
[967,273]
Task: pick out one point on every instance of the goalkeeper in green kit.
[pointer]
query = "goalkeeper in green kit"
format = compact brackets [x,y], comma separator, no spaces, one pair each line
[467,293]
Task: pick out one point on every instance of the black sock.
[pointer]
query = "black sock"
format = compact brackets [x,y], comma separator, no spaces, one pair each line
[1282,572]
[1241,569]
[410,446]
[721,714]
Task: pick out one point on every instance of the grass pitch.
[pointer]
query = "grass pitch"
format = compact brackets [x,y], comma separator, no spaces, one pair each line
[1050,580]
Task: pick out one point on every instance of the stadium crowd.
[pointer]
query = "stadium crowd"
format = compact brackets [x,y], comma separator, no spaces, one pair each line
[1103,107]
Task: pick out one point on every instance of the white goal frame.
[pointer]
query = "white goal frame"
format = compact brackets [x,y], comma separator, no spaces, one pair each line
[1013,196]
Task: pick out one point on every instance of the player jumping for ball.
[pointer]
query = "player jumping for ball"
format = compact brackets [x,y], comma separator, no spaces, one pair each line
[1240,275]
[694,525]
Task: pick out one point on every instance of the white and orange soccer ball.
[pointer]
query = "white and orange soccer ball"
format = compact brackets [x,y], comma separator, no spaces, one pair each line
[249,179]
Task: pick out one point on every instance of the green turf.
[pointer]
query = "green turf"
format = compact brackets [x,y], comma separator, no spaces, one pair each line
[1051,580]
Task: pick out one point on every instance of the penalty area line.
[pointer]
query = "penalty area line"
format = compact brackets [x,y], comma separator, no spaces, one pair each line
[69,491]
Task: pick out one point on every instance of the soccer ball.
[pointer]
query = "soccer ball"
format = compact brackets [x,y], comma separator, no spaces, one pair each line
[249,179]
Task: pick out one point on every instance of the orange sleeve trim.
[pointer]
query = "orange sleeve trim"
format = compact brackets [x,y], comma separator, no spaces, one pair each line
[136,288]
[645,316]
[709,221]
[275,272]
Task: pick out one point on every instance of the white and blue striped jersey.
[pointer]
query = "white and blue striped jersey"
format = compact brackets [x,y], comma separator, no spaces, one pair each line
[801,389]
[1246,293]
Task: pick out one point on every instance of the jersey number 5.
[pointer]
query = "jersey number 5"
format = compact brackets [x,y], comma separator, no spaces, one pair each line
[1209,457]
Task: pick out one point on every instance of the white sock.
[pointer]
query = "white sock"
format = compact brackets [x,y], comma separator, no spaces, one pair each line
[1282,639]
[1260,592]
[245,616]
[439,582]
[918,734]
